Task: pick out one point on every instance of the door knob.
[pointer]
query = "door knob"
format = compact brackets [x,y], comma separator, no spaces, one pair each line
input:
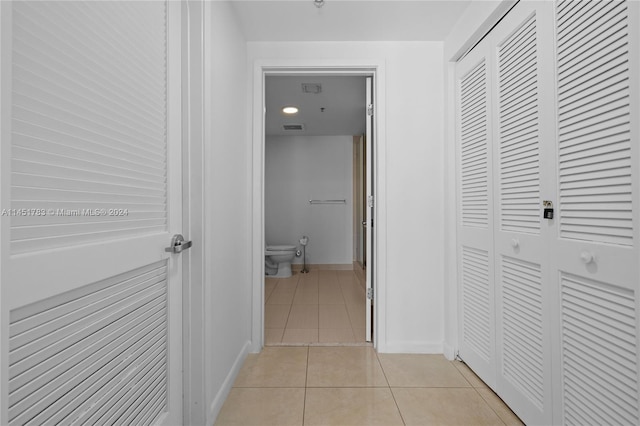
[178,244]
[587,257]
[364,223]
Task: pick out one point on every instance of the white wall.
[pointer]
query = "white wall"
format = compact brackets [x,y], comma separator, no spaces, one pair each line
[297,169]
[412,278]
[228,207]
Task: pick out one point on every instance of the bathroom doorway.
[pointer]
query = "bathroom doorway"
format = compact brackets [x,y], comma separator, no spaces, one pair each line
[315,186]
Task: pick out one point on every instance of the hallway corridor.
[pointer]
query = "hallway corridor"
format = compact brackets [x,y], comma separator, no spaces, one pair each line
[321,307]
[351,386]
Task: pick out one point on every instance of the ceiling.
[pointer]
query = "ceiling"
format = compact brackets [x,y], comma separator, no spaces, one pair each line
[347,20]
[342,97]
[337,20]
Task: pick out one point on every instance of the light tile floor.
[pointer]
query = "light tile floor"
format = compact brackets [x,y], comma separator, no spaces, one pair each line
[321,307]
[353,385]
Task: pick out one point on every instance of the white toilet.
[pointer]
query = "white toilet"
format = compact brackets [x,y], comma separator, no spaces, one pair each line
[278,260]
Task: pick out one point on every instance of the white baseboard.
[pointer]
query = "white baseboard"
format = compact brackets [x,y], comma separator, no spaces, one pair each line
[324,266]
[449,352]
[413,348]
[223,392]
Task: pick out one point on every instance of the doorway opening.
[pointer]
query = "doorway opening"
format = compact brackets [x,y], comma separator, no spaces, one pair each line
[314,182]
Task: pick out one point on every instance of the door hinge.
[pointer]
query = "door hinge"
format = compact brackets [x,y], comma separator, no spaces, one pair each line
[370,293]
[370,109]
[370,201]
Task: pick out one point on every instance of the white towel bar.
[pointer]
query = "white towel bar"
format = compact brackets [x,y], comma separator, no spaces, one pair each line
[327,201]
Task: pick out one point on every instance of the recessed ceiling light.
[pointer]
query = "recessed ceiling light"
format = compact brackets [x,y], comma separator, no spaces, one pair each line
[290,110]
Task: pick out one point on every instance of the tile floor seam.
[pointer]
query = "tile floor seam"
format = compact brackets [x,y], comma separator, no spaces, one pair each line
[290,308]
[390,388]
[268,387]
[306,376]
[393,395]
[351,387]
[434,387]
[464,376]
[489,405]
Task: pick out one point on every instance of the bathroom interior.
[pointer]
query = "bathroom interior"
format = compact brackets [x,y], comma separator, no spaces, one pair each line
[314,288]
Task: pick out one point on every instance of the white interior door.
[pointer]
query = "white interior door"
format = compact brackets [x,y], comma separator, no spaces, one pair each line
[597,277]
[475,213]
[91,195]
[369,210]
[524,144]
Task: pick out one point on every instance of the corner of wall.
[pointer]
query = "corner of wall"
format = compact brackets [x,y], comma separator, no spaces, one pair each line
[449,351]
[450,301]
[227,385]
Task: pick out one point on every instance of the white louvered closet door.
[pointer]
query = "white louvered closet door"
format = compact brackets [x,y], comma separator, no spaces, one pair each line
[91,194]
[475,213]
[523,150]
[597,278]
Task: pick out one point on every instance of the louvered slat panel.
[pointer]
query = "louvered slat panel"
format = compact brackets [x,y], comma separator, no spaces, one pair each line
[595,180]
[518,118]
[599,363]
[473,150]
[149,377]
[475,300]
[97,350]
[522,327]
[88,124]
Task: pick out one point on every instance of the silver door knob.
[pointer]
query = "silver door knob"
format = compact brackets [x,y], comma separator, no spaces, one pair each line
[178,244]
[364,223]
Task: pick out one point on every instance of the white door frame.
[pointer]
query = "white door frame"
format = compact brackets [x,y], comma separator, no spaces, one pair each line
[318,67]
[195,31]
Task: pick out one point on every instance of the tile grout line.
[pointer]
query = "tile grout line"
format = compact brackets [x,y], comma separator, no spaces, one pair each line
[318,299]
[306,381]
[478,392]
[488,405]
[389,387]
[344,299]
[266,299]
[290,308]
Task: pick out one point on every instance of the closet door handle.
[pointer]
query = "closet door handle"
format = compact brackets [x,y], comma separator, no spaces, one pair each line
[587,257]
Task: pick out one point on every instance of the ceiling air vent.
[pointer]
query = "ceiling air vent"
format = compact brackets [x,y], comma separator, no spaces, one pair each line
[312,88]
[293,126]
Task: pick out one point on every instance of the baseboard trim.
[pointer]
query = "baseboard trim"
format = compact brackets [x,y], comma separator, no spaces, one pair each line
[227,385]
[297,267]
[413,348]
[449,352]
